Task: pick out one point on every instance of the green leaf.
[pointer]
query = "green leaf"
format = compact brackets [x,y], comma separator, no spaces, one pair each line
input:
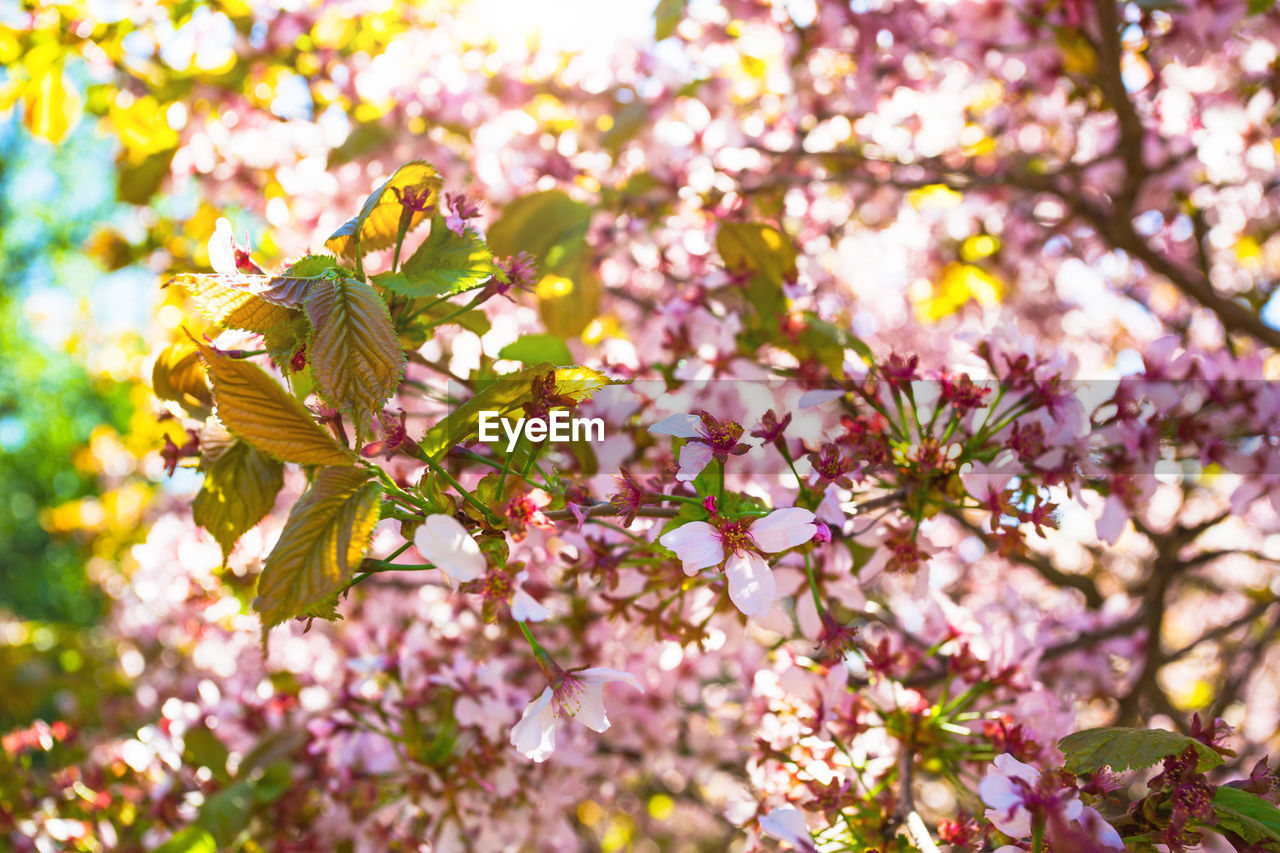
[253,406]
[767,256]
[445,264]
[137,182]
[1257,7]
[1128,749]
[201,748]
[193,839]
[226,813]
[323,541]
[502,395]
[536,349]
[1246,814]
[553,228]
[667,17]
[548,225]
[239,490]
[356,360]
[383,218]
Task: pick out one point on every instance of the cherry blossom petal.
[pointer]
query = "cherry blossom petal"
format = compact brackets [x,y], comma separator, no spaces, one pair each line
[788,825]
[603,674]
[526,608]
[1099,828]
[783,529]
[222,249]
[535,734]
[694,457]
[817,397]
[590,711]
[697,544]
[751,584]
[1114,516]
[679,425]
[446,543]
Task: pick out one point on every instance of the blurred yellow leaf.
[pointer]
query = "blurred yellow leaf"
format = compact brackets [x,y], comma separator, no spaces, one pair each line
[143,127]
[52,106]
[959,284]
[934,195]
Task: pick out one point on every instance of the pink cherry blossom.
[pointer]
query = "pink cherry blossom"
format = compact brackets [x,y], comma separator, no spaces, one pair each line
[578,694]
[752,588]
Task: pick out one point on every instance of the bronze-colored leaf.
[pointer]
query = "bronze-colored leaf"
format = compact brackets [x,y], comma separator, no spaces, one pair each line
[239,490]
[255,408]
[323,542]
[356,359]
[178,375]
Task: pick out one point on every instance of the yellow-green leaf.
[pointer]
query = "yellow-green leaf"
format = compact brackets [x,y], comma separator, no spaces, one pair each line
[355,357]
[445,264]
[239,490]
[379,221]
[178,375]
[553,228]
[254,407]
[504,394]
[767,257]
[549,225]
[323,542]
[252,303]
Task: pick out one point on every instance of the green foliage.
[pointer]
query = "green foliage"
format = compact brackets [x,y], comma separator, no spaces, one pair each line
[323,541]
[1128,749]
[193,839]
[444,265]
[49,405]
[1246,814]
[553,228]
[767,258]
[238,491]
[536,349]
[502,395]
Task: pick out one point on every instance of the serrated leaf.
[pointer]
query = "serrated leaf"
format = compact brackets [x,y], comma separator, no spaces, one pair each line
[178,375]
[536,349]
[254,407]
[238,491]
[445,264]
[504,394]
[379,221]
[323,542]
[356,360]
[1128,749]
[1246,814]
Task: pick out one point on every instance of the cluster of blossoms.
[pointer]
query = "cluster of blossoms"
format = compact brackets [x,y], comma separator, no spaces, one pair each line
[862,543]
